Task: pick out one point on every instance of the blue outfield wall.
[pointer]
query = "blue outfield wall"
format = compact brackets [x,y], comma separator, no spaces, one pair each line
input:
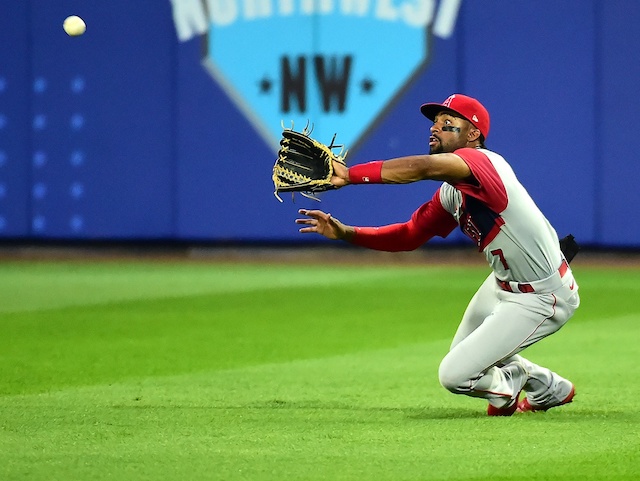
[161,122]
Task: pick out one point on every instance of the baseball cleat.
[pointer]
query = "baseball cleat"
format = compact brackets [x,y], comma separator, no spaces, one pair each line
[510,408]
[524,405]
[505,411]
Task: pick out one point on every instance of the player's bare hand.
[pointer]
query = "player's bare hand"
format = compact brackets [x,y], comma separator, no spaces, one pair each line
[319,222]
[340,176]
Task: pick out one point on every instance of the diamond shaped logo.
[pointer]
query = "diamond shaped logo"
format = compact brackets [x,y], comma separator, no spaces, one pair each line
[336,64]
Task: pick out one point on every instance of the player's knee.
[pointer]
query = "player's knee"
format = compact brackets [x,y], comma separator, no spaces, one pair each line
[452,379]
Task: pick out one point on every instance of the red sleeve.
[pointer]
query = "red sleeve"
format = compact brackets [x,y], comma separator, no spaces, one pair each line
[489,188]
[428,221]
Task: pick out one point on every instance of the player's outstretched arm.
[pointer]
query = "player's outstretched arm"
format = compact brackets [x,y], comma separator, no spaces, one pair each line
[318,222]
[446,167]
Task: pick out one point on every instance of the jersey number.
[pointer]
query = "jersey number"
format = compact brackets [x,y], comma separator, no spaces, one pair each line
[498,252]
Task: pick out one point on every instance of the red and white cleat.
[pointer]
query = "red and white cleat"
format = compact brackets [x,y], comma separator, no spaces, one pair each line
[506,411]
[524,406]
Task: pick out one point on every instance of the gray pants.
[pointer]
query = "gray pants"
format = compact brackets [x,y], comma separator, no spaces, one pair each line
[496,326]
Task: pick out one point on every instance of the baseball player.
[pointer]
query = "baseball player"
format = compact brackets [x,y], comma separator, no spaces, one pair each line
[530,293]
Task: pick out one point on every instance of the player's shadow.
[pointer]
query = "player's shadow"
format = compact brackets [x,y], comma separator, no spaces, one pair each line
[414,413]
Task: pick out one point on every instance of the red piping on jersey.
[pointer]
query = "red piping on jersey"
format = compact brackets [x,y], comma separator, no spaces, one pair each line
[495,230]
[489,187]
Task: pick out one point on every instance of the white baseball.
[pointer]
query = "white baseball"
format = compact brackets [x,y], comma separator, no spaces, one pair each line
[74,26]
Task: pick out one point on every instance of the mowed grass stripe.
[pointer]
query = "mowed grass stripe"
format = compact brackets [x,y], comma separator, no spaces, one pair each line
[370,415]
[350,309]
[50,285]
[94,343]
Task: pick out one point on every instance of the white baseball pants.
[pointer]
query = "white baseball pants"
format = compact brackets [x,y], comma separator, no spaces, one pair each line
[496,326]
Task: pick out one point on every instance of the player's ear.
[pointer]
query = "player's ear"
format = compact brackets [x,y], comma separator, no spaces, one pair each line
[473,135]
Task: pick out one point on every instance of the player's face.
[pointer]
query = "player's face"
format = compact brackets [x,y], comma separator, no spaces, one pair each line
[448,133]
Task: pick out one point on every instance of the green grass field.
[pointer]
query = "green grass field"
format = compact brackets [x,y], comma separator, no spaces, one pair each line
[139,370]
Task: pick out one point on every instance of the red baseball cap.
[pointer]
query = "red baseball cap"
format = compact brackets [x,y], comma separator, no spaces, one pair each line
[468,107]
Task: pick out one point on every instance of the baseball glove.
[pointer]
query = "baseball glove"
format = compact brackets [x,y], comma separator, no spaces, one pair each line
[304,165]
